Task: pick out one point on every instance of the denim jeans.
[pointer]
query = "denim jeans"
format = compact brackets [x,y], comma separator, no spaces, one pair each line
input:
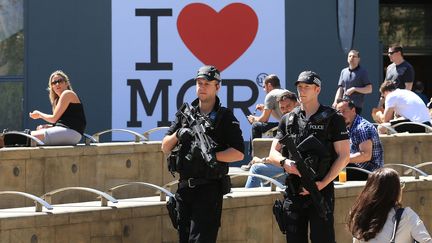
[265,169]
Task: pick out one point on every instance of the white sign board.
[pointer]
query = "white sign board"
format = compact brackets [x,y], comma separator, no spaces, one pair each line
[158,46]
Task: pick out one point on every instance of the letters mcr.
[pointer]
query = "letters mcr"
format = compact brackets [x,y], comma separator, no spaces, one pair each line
[162,88]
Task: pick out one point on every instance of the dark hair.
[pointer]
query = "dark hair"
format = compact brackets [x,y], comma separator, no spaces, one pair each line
[355,52]
[370,210]
[418,86]
[396,47]
[387,85]
[287,95]
[273,80]
[349,101]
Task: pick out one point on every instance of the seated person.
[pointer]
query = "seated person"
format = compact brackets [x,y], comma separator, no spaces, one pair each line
[287,102]
[404,103]
[261,124]
[366,151]
[68,122]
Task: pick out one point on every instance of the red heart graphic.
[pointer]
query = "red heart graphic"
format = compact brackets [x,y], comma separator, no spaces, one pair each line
[217,38]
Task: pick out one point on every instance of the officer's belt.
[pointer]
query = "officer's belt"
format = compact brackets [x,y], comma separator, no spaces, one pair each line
[193,182]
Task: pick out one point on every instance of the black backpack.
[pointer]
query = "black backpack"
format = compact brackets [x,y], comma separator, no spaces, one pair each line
[12,139]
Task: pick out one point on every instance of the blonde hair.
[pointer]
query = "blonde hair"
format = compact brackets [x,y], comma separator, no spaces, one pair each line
[52,95]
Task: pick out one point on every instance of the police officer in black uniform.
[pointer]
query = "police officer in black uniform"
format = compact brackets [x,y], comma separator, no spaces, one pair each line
[201,187]
[329,128]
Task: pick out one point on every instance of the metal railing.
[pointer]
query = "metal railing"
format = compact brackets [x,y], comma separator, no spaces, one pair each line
[358,169]
[34,140]
[163,191]
[416,172]
[147,133]
[138,137]
[274,183]
[428,129]
[104,196]
[39,202]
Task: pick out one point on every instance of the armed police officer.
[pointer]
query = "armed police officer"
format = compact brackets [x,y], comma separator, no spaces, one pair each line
[324,159]
[203,181]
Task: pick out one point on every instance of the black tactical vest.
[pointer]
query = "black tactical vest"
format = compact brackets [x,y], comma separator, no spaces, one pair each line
[299,128]
[190,165]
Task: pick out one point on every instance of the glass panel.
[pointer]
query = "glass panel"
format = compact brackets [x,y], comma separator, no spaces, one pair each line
[407,24]
[11,37]
[11,105]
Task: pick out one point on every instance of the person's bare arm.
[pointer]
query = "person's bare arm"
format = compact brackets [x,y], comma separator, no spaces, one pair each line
[168,143]
[364,90]
[229,155]
[65,99]
[388,114]
[365,153]
[343,155]
[276,156]
[408,85]
[265,116]
[338,95]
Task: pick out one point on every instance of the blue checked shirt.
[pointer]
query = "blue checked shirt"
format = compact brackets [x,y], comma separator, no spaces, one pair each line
[362,130]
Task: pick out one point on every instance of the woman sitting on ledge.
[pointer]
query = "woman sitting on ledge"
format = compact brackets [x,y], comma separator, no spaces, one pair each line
[68,122]
[372,217]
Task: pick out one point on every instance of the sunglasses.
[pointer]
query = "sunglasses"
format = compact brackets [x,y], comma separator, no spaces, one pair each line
[56,82]
[392,52]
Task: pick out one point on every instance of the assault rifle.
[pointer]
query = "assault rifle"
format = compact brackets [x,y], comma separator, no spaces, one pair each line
[202,144]
[307,173]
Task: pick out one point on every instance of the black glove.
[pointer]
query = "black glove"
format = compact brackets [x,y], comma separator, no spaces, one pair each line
[184,134]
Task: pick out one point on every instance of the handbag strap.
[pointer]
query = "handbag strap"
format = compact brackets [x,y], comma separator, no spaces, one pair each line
[398,215]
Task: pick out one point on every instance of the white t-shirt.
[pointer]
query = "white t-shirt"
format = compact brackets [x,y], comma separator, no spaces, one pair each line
[408,104]
[410,226]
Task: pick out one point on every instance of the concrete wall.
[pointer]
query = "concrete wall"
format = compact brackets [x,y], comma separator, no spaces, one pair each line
[403,148]
[102,166]
[247,217]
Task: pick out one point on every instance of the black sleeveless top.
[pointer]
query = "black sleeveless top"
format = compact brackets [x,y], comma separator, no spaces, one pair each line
[73,118]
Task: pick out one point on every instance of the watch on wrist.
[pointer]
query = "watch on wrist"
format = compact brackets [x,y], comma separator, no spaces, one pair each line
[282,162]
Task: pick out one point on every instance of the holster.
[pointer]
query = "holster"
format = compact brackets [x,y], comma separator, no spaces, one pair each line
[286,214]
[226,184]
[279,215]
[172,211]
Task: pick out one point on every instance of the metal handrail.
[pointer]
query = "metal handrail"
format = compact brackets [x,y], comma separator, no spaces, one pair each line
[390,129]
[159,188]
[358,169]
[138,137]
[419,166]
[104,196]
[275,177]
[33,138]
[416,176]
[147,133]
[274,183]
[89,139]
[39,202]
[427,128]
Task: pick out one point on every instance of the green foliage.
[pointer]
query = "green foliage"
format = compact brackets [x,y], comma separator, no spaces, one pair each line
[407,25]
[11,105]
[12,55]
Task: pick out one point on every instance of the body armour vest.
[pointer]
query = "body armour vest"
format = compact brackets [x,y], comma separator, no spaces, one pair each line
[299,128]
[190,164]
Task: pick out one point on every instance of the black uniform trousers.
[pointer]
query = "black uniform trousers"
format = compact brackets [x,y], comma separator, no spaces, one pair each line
[304,214]
[200,210]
